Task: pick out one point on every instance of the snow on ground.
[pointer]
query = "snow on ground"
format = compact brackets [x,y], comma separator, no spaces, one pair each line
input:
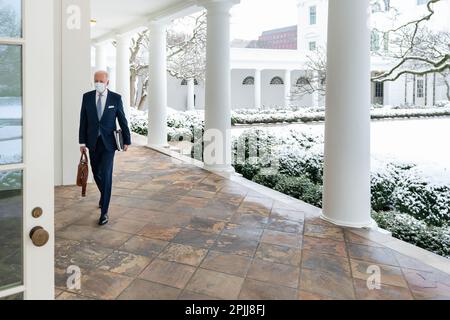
[10,108]
[10,150]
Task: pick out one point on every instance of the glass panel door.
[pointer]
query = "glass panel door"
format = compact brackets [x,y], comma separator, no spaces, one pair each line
[11,154]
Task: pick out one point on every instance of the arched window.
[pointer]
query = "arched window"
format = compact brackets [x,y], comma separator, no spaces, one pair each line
[302,81]
[248,81]
[276,81]
[184,82]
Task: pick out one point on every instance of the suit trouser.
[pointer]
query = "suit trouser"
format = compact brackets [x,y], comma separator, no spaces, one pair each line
[102,161]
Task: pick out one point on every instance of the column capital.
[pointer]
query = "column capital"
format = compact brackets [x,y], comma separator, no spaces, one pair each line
[224,5]
[123,36]
[98,44]
[157,24]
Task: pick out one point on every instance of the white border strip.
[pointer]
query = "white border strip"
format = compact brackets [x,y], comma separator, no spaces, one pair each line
[12,291]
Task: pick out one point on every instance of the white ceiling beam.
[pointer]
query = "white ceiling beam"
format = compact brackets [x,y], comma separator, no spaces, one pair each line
[178,10]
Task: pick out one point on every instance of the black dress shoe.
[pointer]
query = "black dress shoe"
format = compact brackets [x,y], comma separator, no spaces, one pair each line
[103,220]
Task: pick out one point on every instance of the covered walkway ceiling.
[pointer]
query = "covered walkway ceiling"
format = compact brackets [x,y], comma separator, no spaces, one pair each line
[118,16]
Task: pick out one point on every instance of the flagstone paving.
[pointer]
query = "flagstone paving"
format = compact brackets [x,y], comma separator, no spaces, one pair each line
[179,232]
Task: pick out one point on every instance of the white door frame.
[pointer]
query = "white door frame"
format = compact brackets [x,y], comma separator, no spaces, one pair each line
[38,146]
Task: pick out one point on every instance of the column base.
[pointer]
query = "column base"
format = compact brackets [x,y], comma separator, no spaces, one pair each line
[220,169]
[157,146]
[371,224]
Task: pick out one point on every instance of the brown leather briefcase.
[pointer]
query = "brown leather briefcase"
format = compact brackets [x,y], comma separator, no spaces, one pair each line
[83,173]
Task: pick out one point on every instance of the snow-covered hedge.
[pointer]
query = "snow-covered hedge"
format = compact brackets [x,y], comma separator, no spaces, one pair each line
[195,119]
[294,115]
[402,188]
[182,126]
[416,232]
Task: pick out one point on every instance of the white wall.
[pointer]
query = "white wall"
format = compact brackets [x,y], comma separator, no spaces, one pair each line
[242,96]
[394,92]
[308,32]
[272,95]
[73,73]
[177,94]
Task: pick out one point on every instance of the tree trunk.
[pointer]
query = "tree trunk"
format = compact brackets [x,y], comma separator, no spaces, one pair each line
[133,89]
[447,85]
[141,104]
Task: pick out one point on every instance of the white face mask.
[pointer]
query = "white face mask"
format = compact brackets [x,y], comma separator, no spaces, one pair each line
[100,87]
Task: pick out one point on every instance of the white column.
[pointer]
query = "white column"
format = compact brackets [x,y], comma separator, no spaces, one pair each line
[287,88]
[190,94]
[100,57]
[123,70]
[217,153]
[346,200]
[258,103]
[157,111]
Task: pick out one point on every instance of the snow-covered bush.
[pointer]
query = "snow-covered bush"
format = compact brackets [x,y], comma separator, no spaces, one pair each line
[138,122]
[296,162]
[422,200]
[443,104]
[255,143]
[293,115]
[384,183]
[182,126]
[416,232]
[400,187]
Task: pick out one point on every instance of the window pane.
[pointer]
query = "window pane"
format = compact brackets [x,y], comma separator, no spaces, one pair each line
[18,296]
[10,18]
[10,104]
[11,264]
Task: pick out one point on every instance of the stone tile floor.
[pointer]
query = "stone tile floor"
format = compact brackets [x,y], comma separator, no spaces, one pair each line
[179,232]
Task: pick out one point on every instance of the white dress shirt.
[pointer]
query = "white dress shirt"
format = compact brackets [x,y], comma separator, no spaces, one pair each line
[103,101]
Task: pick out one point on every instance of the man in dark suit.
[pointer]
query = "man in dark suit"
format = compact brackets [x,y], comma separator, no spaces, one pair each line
[99,111]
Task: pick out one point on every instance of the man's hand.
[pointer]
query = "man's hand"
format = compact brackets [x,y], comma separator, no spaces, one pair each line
[125,147]
[83,149]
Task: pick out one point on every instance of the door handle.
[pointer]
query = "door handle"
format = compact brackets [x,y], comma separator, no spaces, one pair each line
[39,236]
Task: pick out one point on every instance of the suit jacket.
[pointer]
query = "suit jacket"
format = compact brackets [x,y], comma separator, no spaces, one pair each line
[90,125]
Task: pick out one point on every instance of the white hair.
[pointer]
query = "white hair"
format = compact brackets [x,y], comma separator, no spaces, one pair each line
[102,72]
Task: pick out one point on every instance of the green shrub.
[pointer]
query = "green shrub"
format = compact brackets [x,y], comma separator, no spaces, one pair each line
[268,179]
[301,188]
[411,230]
[250,168]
